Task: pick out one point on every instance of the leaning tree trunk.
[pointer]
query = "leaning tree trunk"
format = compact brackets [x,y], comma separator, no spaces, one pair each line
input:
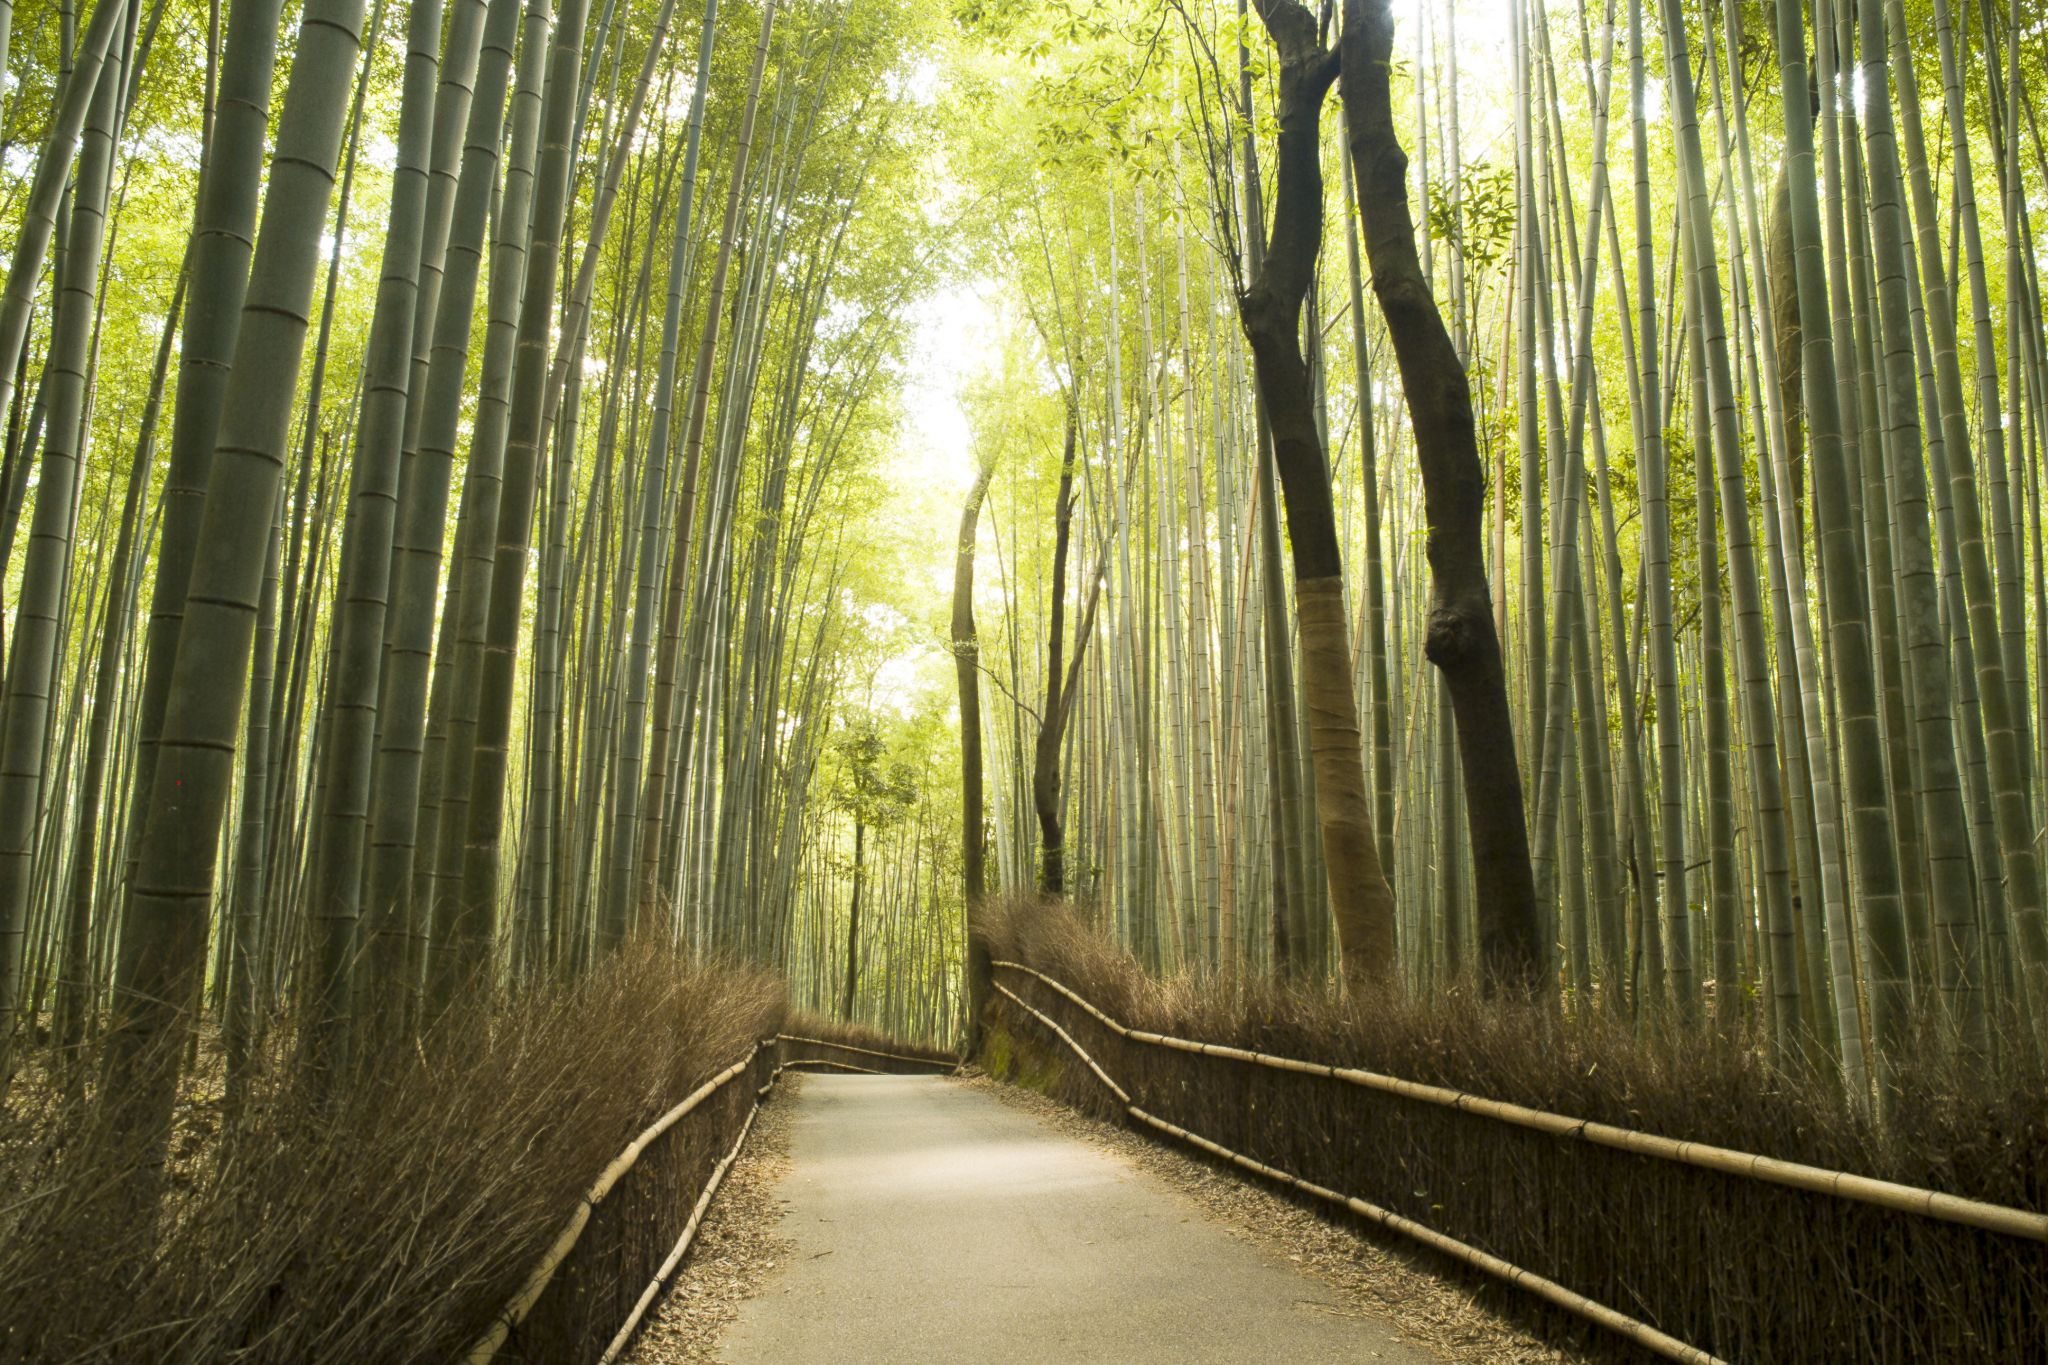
[1361,901]
[967,667]
[1045,768]
[1461,641]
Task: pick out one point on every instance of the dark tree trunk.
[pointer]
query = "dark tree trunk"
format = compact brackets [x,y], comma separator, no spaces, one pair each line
[967,665]
[1052,723]
[1361,901]
[1461,641]
[860,852]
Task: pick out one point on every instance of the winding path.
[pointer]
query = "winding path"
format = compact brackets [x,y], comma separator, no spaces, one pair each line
[932,1222]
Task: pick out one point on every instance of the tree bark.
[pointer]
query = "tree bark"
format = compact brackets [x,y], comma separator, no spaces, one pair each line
[1052,726]
[967,666]
[1361,901]
[1461,641]
[860,849]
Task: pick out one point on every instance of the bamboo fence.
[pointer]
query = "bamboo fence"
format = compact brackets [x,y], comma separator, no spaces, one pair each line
[1862,1189]
[508,1320]
[1840,1185]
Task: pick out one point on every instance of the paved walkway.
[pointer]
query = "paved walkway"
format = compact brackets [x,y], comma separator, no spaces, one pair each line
[932,1222]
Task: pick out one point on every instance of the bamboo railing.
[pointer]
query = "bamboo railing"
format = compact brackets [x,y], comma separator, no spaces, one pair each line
[1882,1194]
[1641,1333]
[943,1063]
[1861,1189]
[537,1280]
[543,1274]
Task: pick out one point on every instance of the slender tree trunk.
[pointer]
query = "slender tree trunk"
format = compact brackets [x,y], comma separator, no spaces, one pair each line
[1877,881]
[75,991]
[1045,769]
[358,626]
[222,239]
[1375,619]
[1706,316]
[1653,476]
[616,911]
[967,671]
[860,849]
[464,931]
[497,673]
[657,834]
[47,189]
[435,413]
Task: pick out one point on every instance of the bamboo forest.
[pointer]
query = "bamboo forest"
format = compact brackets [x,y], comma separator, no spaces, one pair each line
[1204,680]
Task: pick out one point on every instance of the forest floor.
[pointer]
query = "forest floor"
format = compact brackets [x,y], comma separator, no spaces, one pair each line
[923,1218]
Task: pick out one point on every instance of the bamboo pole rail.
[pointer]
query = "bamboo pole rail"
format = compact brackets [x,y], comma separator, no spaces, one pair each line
[1571,1300]
[488,1345]
[522,1303]
[1884,1194]
[1067,1038]
[689,1234]
[849,1047]
[703,1205]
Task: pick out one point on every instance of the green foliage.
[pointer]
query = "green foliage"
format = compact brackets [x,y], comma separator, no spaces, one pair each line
[1480,220]
[875,789]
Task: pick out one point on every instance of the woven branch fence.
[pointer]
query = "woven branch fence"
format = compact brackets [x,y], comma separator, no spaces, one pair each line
[629,1233]
[1691,1251]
